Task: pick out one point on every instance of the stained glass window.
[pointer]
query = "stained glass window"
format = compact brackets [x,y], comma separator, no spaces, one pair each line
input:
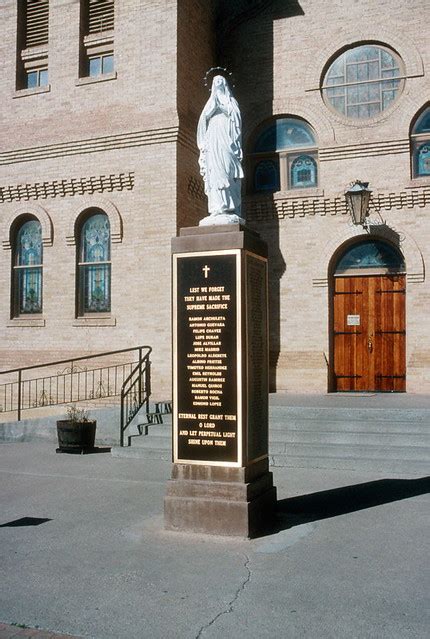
[275,147]
[422,125]
[303,172]
[94,265]
[423,159]
[285,133]
[28,261]
[266,177]
[363,81]
[421,145]
[371,254]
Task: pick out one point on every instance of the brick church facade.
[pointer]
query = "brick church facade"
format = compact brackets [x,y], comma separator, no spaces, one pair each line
[99,170]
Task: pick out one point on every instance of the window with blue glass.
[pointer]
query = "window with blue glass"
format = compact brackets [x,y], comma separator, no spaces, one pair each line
[420,145]
[27,269]
[94,265]
[303,172]
[363,81]
[37,78]
[374,255]
[284,156]
[100,65]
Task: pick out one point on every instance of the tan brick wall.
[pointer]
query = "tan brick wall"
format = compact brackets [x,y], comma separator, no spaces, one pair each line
[139,104]
[287,57]
[143,123]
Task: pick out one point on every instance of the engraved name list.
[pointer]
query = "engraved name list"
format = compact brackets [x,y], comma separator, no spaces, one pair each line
[206,359]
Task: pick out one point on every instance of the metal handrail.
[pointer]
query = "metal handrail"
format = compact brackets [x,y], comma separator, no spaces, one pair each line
[76,359]
[133,399]
[65,386]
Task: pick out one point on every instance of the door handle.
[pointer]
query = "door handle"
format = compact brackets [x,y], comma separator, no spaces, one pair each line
[370,343]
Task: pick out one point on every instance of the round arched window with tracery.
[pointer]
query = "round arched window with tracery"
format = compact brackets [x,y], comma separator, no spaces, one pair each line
[363,81]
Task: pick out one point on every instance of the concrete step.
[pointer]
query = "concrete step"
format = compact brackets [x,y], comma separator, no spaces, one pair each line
[149,430]
[397,466]
[152,441]
[333,425]
[348,438]
[141,453]
[160,436]
[323,437]
[292,413]
[361,451]
[325,449]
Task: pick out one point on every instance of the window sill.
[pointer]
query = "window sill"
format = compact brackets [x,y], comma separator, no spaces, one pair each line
[22,93]
[26,322]
[313,191]
[94,321]
[424,180]
[94,79]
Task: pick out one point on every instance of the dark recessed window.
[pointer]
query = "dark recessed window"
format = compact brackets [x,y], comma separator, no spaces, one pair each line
[266,176]
[97,34]
[27,269]
[94,265]
[363,81]
[284,156]
[32,43]
[420,145]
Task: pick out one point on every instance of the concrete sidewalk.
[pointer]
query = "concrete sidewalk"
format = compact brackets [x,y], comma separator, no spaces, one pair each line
[83,552]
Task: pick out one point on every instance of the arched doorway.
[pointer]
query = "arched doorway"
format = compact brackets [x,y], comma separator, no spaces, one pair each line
[368,318]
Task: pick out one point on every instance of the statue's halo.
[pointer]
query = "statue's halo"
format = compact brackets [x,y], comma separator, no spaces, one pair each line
[228,75]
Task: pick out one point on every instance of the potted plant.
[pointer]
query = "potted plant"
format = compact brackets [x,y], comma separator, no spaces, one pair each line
[77,433]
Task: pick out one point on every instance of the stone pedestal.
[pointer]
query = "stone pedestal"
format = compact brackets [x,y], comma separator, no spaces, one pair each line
[220,480]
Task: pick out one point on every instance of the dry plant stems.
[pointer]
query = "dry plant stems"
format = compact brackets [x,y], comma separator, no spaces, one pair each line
[75,414]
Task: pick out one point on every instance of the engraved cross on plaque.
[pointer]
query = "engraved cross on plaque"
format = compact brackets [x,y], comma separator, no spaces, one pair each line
[206,270]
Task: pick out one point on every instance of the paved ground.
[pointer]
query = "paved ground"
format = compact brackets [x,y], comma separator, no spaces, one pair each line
[83,552]
[20,631]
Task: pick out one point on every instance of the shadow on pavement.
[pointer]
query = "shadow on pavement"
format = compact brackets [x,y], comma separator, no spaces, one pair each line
[340,501]
[83,451]
[25,521]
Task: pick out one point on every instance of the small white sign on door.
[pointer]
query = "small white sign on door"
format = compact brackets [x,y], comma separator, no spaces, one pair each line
[353,320]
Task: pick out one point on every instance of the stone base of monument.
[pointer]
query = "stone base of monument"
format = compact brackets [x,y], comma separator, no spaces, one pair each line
[220,501]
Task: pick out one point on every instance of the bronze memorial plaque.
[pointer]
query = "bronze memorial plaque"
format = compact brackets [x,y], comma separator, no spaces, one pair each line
[207,370]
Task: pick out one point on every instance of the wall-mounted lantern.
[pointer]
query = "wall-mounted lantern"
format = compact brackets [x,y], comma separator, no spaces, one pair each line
[357,200]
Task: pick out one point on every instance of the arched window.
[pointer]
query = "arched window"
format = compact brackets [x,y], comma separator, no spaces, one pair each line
[363,81]
[420,145]
[284,156]
[27,269]
[266,176]
[370,256]
[303,171]
[94,266]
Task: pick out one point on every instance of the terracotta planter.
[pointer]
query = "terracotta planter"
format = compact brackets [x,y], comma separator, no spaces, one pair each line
[76,437]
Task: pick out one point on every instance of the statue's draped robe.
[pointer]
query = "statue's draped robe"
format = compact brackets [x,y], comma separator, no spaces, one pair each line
[219,142]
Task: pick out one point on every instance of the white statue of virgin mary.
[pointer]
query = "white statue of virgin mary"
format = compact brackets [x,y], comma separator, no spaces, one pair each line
[220,160]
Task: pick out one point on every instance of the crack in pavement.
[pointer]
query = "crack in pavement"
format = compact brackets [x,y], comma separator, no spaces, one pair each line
[231,603]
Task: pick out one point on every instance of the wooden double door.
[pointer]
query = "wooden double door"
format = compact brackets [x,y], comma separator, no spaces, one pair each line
[369,333]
